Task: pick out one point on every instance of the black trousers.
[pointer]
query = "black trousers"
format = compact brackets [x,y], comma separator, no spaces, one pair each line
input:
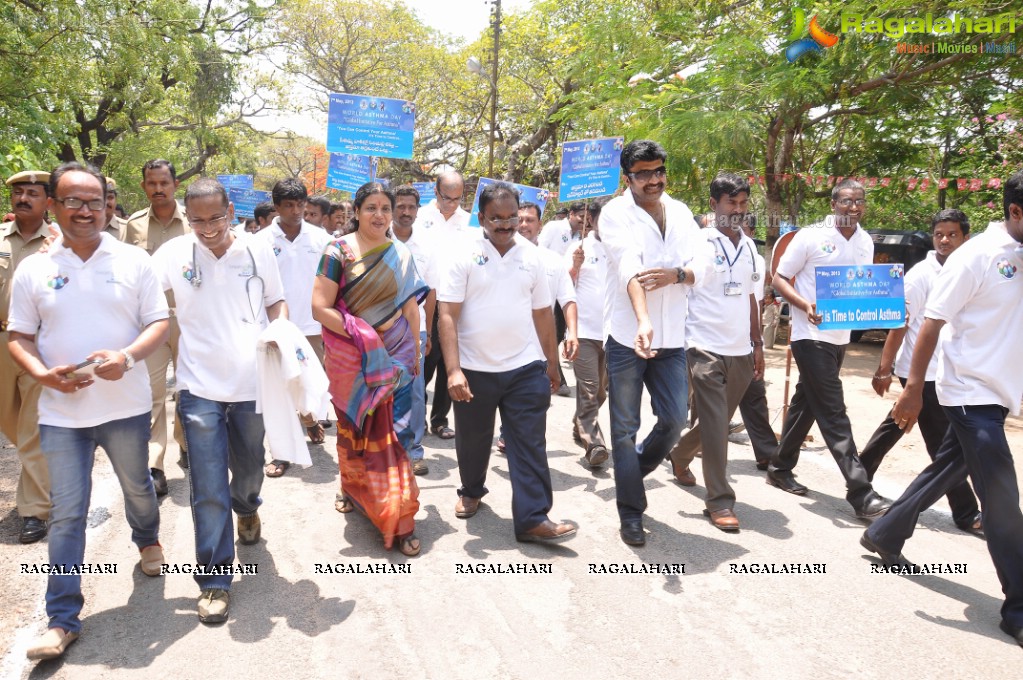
[434,363]
[522,396]
[933,428]
[975,443]
[757,420]
[819,397]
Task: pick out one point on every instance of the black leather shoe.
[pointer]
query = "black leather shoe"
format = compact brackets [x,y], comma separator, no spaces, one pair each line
[183,460]
[763,464]
[632,532]
[159,481]
[874,507]
[32,529]
[1012,631]
[786,481]
[887,559]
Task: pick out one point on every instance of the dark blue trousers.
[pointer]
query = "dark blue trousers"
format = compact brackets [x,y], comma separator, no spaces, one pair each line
[975,443]
[522,396]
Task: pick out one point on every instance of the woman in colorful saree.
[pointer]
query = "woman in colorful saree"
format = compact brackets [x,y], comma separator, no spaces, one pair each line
[366,296]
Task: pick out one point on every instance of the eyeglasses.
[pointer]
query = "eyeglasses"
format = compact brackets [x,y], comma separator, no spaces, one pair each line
[202,225]
[647,175]
[95,205]
[846,202]
[500,224]
[449,199]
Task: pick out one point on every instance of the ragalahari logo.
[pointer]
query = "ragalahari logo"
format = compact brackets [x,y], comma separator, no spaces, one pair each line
[818,40]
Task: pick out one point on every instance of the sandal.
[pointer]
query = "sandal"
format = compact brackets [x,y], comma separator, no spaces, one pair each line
[443,431]
[276,468]
[315,433]
[409,545]
[975,527]
[342,504]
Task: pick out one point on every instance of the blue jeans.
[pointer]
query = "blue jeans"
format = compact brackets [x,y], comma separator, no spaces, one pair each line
[418,414]
[69,454]
[666,379]
[221,436]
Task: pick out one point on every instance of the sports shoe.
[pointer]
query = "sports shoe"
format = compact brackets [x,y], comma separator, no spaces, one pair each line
[152,559]
[249,528]
[213,605]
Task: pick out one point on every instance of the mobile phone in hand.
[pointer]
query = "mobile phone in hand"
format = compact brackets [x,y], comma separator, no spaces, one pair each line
[87,369]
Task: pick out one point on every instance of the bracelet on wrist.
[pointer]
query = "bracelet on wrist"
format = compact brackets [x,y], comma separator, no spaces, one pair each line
[882,377]
[757,343]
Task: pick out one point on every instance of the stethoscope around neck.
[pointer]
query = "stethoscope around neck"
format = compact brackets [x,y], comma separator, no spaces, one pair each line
[196,281]
[742,244]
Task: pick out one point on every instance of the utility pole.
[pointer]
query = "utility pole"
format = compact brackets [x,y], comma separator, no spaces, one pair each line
[493,94]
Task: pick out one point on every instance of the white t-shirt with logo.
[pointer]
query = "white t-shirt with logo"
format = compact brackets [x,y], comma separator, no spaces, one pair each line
[222,317]
[590,287]
[720,322]
[75,308]
[918,283]
[498,295]
[556,235]
[297,261]
[421,248]
[821,245]
[979,293]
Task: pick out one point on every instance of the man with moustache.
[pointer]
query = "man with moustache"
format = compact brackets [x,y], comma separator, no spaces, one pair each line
[652,244]
[150,228]
[19,393]
[89,298]
[264,214]
[819,354]
[949,230]
[317,212]
[724,349]
[115,226]
[497,330]
[228,289]
[443,221]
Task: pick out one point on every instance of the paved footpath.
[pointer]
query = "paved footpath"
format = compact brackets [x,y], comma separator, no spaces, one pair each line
[588,612]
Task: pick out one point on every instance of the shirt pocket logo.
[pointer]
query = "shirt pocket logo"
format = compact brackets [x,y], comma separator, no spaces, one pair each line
[1006,269]
[58,281]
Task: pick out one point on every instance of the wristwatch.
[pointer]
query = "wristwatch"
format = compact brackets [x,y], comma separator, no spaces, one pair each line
[680,272]
[129,360]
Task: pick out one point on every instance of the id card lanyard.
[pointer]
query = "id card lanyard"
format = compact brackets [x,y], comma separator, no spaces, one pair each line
[732,287]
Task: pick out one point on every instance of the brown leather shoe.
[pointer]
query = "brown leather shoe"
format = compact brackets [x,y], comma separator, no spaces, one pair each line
[723,519]
[683,475]
[466,507]
[547,531]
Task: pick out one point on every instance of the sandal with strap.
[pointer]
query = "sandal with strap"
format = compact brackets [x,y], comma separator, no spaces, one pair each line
[315,433]
[409,545]
[342,503]
[276,468]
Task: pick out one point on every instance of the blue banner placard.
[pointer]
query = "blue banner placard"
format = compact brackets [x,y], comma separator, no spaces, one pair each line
[235,181]
[590,168]
[246,200]
[427,191]
[348,172]
[526,195]
[861,298]
[370,126]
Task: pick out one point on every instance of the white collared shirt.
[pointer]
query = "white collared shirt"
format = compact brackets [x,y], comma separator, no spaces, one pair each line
[441,230]
[422,252]
[918,283]
[556,235]
[590,286]
[222,318]
[297,262]
[979,293]
[498,295]
[717,322]
[633,243]
[75,308]
[559,281]
[821,245]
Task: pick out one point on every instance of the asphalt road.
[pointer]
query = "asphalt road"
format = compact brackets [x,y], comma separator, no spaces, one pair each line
[428,619]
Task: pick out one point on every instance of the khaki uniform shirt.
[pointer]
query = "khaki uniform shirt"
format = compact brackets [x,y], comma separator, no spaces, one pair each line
[116,228]
[145,230]
[13,249]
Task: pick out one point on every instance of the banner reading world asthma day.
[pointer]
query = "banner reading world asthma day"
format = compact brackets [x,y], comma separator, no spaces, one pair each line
[427,191]
[246,200]
[348,172]
[235,181]
[861,298]
[590,168]
[370,126]
[526,195]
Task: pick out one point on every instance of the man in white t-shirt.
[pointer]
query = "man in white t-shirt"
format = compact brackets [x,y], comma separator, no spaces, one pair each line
[227,288]
[652,244]
[91,298]
[587,265]
[949,229]
[819,354]
[724,349]
[560,235]
[497,330]
[443,222]
[979,296]
[406,208]
[297,245]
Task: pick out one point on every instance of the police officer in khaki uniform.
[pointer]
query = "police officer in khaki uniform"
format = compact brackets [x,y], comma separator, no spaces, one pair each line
[19,393]
[115,225]
[150,228]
